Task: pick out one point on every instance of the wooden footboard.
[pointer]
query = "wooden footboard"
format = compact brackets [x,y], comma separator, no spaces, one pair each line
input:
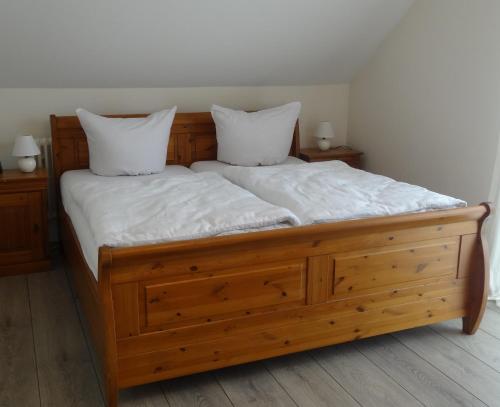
[167,310]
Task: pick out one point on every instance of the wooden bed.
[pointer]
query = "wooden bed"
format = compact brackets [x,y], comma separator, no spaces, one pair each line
[167,310]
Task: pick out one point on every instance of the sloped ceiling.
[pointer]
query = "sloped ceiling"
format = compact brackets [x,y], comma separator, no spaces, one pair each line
[169,43]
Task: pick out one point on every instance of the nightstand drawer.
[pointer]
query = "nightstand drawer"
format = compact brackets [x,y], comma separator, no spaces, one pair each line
[13,200]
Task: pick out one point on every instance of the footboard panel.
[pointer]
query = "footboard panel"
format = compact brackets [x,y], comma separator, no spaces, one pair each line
[272,335]
[190,307]
[222,295]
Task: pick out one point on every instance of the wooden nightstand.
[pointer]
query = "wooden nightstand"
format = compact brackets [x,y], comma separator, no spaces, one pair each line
[343,153]
[23,222]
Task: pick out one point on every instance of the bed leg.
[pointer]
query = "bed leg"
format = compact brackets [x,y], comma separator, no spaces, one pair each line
[469,326]
[110,362]
[478,298]
[110,375]
[111,395]
[479,283]
[477,306]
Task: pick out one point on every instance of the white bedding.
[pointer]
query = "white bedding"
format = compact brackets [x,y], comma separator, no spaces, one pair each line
[218,166]
[333,191]
[126,211]
[82,229]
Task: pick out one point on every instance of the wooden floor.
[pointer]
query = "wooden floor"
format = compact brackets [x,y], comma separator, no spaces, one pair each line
[46,361]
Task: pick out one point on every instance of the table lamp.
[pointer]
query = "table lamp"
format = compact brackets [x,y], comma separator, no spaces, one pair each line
[324,133]
[25,148]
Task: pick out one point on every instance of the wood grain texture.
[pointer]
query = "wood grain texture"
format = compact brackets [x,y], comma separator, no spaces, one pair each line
[491,323]
[344,311]
[301,241]
[298,375]
[456,363]
[18,376]
[173,353]
[368,384]
[319,279]
[65,370]
[15,180]
[483,345]
[250,385]
[149,395]
[359,271]
[109,357]
[204,354]
[126,297]
[87,294]
[427,383]
[201,390]
[478,264]
[307,383]
[216,297]
[23,219]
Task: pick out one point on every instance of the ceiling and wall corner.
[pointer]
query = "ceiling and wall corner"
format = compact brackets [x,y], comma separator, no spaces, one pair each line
[426,107]
[139,56]
[177,43]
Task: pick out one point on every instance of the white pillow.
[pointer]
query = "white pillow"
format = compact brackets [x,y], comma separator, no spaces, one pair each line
[258,138]
[132,146]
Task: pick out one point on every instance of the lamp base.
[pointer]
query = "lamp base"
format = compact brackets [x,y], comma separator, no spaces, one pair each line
[324,144]
[26,164]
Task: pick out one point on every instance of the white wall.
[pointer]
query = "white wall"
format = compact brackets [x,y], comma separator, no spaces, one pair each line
[175,43]
[28,110]
[426,108]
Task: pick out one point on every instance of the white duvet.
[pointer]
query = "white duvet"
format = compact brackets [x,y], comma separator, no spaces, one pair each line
[333,191]
[124,211]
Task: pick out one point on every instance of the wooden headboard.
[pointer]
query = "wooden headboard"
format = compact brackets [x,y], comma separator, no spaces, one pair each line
[192,138]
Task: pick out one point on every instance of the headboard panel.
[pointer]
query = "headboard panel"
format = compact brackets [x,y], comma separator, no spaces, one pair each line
[192,138]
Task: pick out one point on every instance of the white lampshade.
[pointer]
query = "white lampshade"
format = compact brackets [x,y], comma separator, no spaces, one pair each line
[25,146]
[324,131]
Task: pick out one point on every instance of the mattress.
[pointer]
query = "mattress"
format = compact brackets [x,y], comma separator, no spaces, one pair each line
[88,244]
[176,204]
[218,166]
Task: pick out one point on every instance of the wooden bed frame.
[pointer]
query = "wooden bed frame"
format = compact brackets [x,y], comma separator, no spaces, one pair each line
[167,310]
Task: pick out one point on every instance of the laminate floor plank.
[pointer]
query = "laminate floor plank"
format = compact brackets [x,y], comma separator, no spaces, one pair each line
[424,381]
[252,385]
[493,306]
[45,360]
[201,390]
[148,395]
[18,375]
[491,323]
[308,383]
[65,371]
[472,374]
[90,347]
[481,345]
[368,384]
